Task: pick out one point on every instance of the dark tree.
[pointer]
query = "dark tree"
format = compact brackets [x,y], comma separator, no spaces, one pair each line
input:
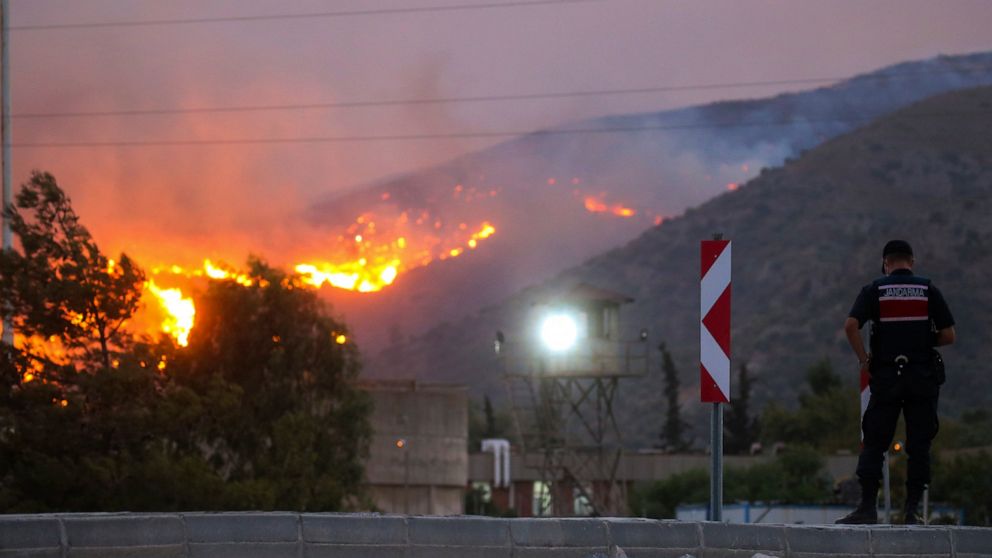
[822,379]
[964,481]
[828,417]
[60,287]
[491,428]
[261,411]
[740,427]
[673,434]
[77,394]
[295,423]
[488,421]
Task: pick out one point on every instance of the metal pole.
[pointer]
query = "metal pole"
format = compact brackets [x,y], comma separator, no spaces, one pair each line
[887,494]
[716,449]
[7,241]
[716,470]
[406,480]
[926,506]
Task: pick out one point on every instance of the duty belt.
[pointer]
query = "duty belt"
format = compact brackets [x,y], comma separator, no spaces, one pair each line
[901,361]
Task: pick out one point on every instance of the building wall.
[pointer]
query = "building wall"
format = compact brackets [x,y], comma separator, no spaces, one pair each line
[419,500]
[418,460]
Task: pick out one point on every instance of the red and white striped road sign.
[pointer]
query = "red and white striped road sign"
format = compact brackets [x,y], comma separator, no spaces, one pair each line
[714,322]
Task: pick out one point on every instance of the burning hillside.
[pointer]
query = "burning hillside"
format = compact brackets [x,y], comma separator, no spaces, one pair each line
[371,255]
[390,236]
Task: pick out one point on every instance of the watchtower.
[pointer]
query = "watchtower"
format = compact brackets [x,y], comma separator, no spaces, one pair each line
[562,375]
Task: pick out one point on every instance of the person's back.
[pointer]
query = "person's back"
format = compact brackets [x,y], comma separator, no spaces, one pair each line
[909,318]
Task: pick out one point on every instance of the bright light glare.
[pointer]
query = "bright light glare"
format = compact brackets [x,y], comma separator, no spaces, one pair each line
[559,332]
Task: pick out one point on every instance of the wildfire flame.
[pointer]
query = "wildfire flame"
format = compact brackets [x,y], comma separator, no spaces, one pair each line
[49,349]
[367,265]
[221,274]
[358,276]
[379,264]
[179,310]
[596,204]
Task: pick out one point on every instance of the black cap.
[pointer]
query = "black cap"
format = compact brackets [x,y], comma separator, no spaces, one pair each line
[897,247]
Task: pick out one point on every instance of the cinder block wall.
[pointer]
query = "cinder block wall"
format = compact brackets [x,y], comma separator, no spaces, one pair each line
[292,535]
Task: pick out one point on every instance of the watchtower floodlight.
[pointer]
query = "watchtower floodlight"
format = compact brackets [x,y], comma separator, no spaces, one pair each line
[559,332]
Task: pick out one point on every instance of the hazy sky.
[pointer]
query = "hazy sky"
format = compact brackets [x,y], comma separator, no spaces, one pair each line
[153,201]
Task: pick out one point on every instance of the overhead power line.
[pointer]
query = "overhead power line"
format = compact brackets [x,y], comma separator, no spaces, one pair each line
[428,101]
[469,135]
[479,98]
[313,15]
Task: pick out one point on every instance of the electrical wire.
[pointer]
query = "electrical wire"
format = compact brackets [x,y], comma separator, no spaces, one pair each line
[484,98]
[314,15]
[470,135]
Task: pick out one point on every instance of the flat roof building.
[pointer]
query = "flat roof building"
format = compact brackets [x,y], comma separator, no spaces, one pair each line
[418,459]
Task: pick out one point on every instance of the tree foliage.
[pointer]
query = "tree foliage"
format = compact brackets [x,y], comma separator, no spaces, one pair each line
[60,286]
[741,428]
[260,411]
[795,476]
[661,498]
[295,416]
[972,429]
[488,422]
[828,417]
[827,420]
[964,481]
[674,431]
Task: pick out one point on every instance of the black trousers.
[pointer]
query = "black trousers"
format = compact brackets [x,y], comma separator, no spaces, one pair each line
[913,390]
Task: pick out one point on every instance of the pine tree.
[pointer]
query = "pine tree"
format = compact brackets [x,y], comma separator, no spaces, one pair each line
[77,398]
[60,287]
[490,431]
[674,431]
[741,428]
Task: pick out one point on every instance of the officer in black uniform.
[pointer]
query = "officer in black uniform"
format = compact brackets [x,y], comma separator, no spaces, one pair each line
[909,318]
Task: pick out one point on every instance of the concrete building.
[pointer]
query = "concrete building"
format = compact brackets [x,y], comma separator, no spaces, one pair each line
[418,461]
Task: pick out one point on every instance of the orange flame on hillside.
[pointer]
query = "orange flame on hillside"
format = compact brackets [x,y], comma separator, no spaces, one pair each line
[50,350]
[378,264]
[180,311]
[596,204]
[367,265]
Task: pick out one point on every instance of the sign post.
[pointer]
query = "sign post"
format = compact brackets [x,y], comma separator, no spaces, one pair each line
[714,353]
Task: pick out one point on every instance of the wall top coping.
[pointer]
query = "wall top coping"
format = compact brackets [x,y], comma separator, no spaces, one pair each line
[137,533]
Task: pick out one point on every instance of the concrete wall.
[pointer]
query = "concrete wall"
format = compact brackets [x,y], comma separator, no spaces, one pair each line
[291,535]
[646,466]
[428,471]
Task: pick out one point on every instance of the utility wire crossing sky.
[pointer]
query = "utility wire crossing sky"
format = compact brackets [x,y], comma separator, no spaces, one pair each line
[207,121]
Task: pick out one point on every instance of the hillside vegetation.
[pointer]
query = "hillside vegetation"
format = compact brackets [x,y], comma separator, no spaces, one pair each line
[534,189]
[806,236]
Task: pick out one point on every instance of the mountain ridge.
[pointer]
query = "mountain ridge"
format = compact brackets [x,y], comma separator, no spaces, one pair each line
[807,235]
[692,155]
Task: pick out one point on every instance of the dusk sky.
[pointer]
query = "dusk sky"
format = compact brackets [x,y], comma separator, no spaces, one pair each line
[228,200]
